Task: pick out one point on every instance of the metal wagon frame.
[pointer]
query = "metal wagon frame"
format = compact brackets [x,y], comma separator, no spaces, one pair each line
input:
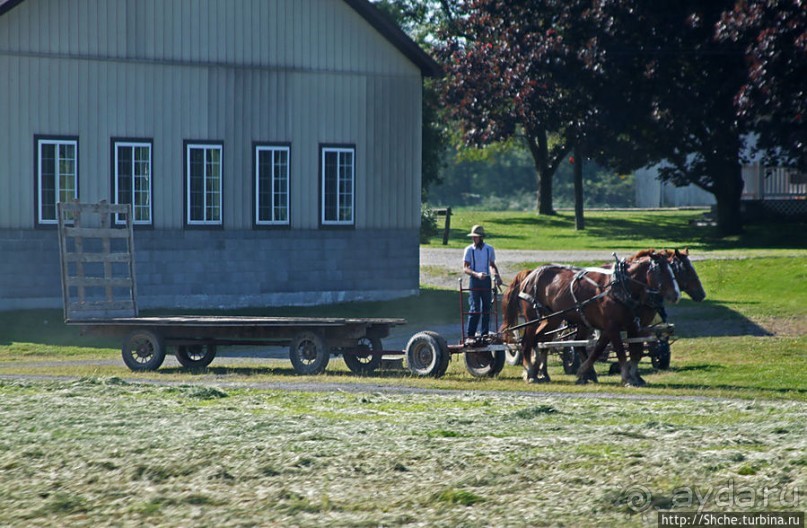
[99,292]
[428,353]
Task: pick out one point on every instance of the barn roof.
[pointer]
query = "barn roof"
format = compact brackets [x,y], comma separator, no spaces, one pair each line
[428,66]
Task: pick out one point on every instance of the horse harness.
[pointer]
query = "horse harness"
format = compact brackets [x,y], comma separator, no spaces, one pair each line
[618,287]
[653,300]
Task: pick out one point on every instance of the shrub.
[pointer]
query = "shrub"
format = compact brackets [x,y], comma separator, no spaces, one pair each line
[428,224]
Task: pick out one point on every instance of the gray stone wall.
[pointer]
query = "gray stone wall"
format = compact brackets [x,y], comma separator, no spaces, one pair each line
[228,269]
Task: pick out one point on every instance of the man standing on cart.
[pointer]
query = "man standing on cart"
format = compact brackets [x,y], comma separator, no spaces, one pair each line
[479,262]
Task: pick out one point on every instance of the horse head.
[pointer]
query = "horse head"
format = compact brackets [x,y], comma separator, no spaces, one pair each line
[686,275]
[660,277]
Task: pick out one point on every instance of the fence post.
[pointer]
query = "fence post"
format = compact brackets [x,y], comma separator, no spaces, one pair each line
[448,226]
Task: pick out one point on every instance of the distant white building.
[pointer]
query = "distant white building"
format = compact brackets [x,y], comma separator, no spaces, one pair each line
[652,192]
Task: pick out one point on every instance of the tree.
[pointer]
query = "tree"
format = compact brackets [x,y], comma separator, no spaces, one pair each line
[679,84]
[520,68]
[773,35]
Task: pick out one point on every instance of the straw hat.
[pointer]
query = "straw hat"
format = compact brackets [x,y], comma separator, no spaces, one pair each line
[477,231]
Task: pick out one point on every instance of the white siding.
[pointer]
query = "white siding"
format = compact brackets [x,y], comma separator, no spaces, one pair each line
[306,72]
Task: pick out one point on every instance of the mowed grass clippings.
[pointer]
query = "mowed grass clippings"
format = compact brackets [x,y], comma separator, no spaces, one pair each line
[103,452]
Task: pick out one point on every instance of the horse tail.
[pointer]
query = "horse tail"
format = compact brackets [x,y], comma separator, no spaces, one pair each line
[510,299]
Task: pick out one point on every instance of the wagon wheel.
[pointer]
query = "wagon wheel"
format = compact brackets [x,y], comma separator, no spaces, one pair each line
[427,354]
[660,355]
[445,357]
[484,364]
[365,360]
[196,356]
[571,360]
[513,355]
[143,350]
[308,353]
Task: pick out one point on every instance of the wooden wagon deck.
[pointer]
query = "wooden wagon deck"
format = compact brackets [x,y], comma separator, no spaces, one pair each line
[99,291]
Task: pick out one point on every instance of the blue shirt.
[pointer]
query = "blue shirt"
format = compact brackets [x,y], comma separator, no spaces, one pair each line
[481,258]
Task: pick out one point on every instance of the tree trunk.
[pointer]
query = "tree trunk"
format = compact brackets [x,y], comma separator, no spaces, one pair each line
[726,172]
[579,221]
[539,148]
[728,190]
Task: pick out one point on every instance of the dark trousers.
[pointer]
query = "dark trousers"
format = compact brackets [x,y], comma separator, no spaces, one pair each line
[480,304]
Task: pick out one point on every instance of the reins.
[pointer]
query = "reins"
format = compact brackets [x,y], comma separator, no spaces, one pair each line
[621,278]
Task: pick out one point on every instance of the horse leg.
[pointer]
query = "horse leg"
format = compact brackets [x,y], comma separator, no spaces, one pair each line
[527,351]
[615,338]
[527,344]
[544,354]
[581,334]
[541,373]
[635,350]
[587,368]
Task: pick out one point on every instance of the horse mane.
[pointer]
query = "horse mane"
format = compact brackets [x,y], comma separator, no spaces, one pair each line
[640,254]
[510,298]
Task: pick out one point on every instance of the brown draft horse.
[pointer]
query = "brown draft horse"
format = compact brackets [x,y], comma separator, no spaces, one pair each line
[688,280]
[600,299]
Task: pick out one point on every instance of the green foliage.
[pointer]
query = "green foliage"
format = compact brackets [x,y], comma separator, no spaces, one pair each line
[428,224]
[502,176]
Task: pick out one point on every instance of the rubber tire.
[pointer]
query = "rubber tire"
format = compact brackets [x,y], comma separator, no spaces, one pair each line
[445,357]
[513,357]
[661,355]
[196,356]
[484,364]
[143,350]
[571,360]
[308,353]
[427,355]
[364,363]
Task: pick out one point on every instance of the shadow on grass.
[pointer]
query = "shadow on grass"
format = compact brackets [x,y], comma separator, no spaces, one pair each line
[711,319]
[763,235]
[705,367]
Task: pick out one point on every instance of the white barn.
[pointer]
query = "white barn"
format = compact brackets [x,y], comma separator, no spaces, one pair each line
[271,149]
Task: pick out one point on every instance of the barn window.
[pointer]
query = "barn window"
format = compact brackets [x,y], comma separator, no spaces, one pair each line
[271,185]
[56,175]
[338,174]
[132,178]
[203,184]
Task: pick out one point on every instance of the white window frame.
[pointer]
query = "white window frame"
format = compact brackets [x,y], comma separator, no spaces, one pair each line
[217,204]
[149,207]
[40,142]
[339,151]
[274,149]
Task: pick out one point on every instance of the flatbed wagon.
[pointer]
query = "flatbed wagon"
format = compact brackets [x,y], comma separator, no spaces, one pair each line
[100,295]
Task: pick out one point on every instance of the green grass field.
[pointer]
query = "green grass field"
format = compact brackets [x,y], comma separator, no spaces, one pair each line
[84,442]
[620,229]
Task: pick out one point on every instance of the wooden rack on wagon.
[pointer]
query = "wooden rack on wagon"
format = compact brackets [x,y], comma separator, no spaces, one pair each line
[99,291]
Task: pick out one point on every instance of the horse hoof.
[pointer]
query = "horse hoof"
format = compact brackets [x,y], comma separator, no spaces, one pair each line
[542,380]
[582,381]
